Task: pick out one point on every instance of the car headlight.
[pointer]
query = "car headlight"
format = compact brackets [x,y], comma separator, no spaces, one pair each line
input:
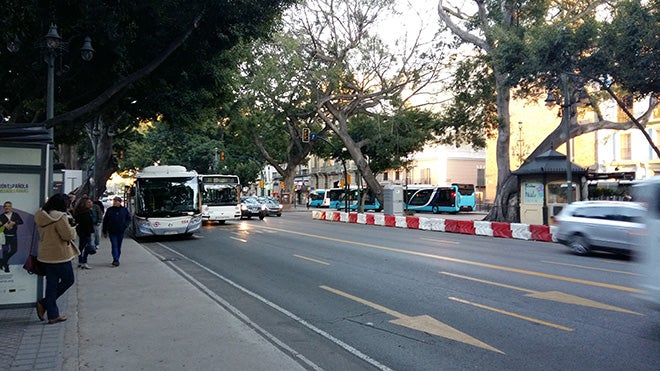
[244,207]
[263,207]
[280,207]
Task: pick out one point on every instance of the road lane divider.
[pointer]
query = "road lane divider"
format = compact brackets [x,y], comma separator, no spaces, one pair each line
[311,259]
[556,296]
[424,323]
[530,319]
[469,262]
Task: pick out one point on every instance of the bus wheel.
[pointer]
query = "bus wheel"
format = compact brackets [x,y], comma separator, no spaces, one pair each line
[436,210]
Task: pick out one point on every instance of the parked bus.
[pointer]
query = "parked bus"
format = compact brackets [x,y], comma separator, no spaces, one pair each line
[221,197]
[354,197]
[332,197]
[165,200]
[316,197]
[449,199]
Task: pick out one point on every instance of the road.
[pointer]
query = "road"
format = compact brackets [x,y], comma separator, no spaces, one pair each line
[351,296]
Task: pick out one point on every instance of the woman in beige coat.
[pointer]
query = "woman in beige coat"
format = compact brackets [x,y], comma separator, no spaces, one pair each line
[56,252]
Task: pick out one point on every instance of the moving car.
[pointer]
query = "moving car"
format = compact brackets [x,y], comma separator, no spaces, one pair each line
[613,226]
[251,207]
[272,206]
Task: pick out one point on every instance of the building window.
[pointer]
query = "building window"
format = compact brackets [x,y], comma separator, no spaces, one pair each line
[386,176]
[625,147]
[426,176]
[397,175]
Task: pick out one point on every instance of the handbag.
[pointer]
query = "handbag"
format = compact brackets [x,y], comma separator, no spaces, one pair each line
[2,236]
[32,265]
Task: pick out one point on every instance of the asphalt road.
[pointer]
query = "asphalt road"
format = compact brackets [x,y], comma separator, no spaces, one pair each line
[350,296]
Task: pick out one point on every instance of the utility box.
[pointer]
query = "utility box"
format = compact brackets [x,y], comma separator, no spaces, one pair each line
[392,199]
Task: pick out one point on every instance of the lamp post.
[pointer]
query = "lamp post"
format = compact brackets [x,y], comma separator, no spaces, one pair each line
[54,46]
[567,102]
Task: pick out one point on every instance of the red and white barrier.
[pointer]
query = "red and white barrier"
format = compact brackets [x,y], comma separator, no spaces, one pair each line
[476,227]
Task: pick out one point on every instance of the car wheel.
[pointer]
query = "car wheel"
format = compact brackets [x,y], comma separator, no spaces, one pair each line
[261,216]
[279,214]
[579,245]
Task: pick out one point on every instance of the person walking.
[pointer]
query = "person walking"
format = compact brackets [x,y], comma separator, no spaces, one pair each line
[116,220]
[97,218]
[10,220]
[56,253]
[85,230]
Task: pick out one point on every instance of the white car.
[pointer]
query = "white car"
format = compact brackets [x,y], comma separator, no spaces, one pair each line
[613,226]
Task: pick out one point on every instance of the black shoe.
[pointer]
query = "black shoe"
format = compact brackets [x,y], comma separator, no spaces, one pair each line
[115,263]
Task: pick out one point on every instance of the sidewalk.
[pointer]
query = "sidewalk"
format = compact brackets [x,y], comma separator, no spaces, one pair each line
[140,315]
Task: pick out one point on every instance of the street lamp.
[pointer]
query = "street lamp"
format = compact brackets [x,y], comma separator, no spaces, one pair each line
[569,99]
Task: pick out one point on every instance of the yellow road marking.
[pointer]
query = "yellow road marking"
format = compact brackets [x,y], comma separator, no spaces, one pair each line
[310,259]
[551,295]
[540,322]
[590,268]
[441,241]
[478,264]
[424,323]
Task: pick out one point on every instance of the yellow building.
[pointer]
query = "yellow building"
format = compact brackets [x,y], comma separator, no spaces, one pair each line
[531,122]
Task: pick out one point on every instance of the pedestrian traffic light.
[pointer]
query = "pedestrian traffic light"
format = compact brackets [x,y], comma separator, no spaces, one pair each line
[305,135]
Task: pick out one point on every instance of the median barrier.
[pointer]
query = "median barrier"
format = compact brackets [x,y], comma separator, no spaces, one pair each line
[475,227]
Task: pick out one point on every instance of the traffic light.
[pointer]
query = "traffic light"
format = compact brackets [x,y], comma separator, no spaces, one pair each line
[222,155]
[305,135]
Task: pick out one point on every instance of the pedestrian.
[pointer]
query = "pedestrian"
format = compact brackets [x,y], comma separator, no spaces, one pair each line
[10,221]
[116,220]
[97,219]
[85,229]
[56,253]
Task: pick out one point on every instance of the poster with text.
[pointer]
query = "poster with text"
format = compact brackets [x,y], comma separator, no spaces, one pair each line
[22,190]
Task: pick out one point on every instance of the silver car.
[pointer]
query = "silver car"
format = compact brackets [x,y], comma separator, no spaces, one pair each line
[613,226]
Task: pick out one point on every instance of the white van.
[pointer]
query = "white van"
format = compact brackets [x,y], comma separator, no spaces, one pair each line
[648,193]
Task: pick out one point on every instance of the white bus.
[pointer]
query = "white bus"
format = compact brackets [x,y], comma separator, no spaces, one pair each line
[165,200]
[221,197]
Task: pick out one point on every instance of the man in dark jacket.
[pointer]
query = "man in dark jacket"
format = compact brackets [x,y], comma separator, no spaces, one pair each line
[116,220]
[10,221]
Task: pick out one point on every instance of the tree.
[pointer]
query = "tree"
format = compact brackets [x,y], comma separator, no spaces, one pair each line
[525,45]
[350,72]
[152,58]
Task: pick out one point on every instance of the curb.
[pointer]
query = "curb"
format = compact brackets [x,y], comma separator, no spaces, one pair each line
[518,231]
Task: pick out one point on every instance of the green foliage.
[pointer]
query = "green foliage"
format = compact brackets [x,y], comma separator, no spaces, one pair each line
[471,117]
[629,48]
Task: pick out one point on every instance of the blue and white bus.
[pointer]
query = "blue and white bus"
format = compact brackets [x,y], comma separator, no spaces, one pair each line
[332,197]
[165,200]
[316,197]
[354,197]
[448,199]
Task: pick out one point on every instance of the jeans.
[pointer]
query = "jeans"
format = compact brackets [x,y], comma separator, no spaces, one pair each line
[116,240]
[97,235]
[84,241]
[59,277]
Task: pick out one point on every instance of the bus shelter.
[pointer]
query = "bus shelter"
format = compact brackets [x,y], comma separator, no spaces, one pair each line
[24,166]
[543,188]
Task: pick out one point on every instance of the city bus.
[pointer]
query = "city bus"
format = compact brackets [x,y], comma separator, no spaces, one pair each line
[447,199]
[165,200]
[354,197]
[316,197]
[220,197]
[331,197]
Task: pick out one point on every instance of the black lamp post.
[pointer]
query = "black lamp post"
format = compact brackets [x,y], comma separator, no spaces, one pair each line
[54,47]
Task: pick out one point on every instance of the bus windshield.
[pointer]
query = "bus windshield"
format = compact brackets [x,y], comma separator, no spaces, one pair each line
[158,197]
[220,190]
